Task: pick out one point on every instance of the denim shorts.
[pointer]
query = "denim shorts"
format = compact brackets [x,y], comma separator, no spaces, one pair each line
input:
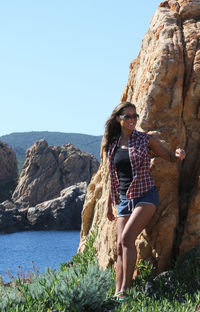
[125,206]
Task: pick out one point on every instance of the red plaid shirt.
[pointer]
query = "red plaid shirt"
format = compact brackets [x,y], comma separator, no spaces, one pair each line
[140,163]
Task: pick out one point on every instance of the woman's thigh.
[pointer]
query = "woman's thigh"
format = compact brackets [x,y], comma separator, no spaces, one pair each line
[138,220]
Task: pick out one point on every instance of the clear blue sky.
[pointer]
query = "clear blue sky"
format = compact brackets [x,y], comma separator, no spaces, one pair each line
[64,63]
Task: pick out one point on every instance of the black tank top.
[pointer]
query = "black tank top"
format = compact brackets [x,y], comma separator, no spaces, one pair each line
[124,171]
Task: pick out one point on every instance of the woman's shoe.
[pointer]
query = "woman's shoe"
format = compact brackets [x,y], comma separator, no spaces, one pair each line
[121,296]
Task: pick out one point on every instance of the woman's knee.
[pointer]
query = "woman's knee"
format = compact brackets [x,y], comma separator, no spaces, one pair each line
[119,248]
[127,241]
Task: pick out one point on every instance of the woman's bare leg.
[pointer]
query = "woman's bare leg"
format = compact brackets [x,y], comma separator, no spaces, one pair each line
[140,217]
[121,222]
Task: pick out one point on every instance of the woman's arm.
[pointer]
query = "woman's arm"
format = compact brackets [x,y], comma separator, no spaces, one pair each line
[163,152]
[110,214]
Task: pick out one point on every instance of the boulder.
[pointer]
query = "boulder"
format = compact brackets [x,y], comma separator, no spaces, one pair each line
[49,169]
[164,84]
[12,217]
[8,171]
[61,213]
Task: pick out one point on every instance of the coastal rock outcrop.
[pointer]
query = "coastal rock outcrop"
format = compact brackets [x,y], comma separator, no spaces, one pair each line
[49,169]
[51,189]
[12,217]
[8,171]
[61,213]
[164,84]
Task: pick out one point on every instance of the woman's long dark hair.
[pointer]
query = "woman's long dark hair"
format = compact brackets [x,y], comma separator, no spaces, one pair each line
[112,126]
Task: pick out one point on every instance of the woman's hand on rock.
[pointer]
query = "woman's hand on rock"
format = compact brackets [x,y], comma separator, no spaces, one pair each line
[180,153]
[110,214]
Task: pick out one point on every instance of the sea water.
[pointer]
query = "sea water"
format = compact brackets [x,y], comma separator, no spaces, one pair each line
[23,252]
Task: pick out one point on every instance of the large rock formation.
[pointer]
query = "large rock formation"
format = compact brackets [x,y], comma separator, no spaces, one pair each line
[8,171]
[61,213]
[164,83]
[49,169]
[51,188]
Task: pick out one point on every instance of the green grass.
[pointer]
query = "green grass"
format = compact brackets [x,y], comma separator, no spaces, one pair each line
[81,286]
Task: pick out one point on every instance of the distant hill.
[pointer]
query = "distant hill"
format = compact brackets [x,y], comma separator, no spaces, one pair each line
[21,141]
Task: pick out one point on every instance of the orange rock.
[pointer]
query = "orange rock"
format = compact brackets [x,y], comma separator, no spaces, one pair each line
[164,84]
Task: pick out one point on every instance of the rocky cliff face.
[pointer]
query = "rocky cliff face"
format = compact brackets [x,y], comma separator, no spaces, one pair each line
[164,84]
[8,171]
[49,169]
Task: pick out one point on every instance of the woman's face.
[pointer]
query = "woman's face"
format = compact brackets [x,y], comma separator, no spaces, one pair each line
[128,119]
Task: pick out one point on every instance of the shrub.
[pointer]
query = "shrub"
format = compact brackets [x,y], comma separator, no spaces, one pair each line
[88,256]
[84,292]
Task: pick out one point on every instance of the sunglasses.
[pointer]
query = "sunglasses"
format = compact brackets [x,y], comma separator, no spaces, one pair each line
[126,117]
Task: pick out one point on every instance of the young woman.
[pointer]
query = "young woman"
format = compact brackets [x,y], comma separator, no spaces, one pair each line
[132,190]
